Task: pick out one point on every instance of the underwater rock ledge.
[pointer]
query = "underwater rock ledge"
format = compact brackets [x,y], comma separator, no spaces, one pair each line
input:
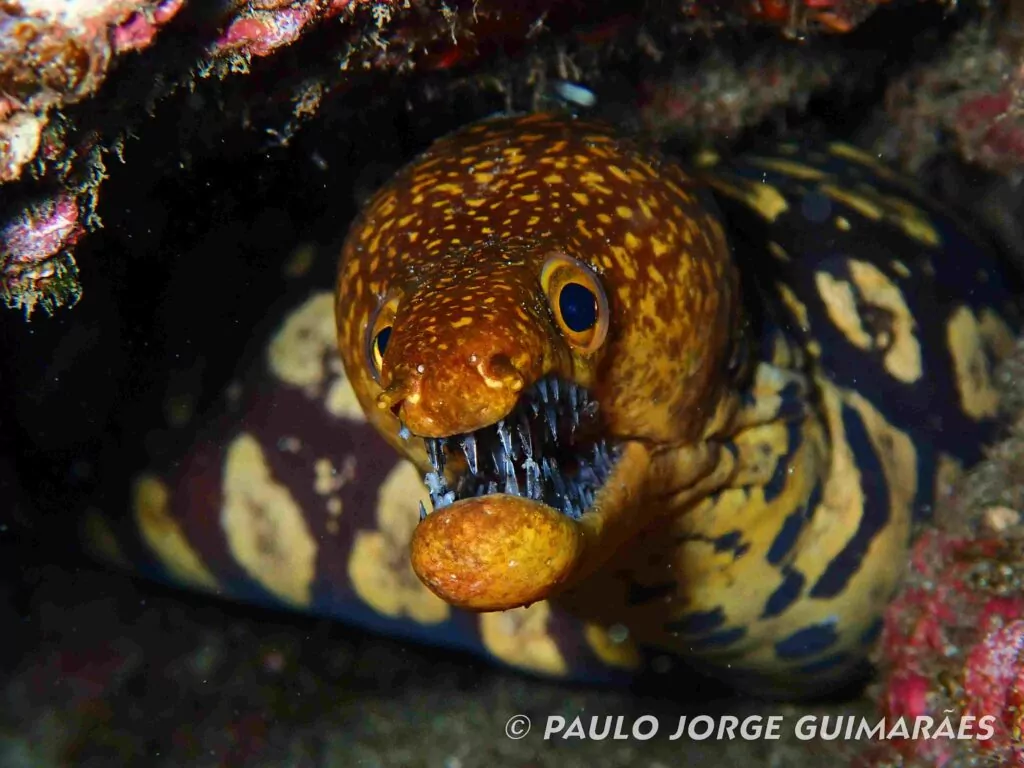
[79,79]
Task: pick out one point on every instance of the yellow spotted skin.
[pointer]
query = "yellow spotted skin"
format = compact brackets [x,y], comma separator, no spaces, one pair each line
[794,354]
[457,241]
[863,307]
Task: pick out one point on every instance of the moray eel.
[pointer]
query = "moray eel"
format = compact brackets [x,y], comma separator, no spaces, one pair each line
[710,423]
[672,413]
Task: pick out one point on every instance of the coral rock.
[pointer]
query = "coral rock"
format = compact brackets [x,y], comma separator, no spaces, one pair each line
[952,645]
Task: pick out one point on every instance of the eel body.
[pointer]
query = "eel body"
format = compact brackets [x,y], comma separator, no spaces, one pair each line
[695,411]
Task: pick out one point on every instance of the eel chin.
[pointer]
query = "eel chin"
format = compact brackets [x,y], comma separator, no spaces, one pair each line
[536,502]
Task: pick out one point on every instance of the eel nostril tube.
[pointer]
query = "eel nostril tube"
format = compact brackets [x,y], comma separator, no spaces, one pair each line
[499,371]
[393,397]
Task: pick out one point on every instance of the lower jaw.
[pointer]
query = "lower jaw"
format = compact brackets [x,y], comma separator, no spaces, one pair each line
[499,551]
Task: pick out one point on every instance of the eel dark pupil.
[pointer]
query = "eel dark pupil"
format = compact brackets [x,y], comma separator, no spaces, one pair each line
[578,306]
[382,339]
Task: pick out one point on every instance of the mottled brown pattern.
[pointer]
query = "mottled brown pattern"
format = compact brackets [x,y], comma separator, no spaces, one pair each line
[455,244]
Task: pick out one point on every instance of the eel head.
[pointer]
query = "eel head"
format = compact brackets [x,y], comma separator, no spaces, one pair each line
[552,355]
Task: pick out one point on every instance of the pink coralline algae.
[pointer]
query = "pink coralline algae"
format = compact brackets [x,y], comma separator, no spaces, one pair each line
[264,31]
[720,100]
[953,645]
[140,28]
[972,98]
[823,15]
[36,265]
[991,126]
[57,54]
[54,54]
[272,24]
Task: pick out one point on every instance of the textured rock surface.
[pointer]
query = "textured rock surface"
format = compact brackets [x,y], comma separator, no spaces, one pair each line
[954,638]
[77,79]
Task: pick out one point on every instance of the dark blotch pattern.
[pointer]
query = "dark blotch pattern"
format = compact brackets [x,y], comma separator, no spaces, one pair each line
[872,633]
[807,641]
[777,483]
[786,537]
[791,527]
[731,542]
[641,593]
[697,622]
[826,664]
[876,511]
[786,593]
[720,639]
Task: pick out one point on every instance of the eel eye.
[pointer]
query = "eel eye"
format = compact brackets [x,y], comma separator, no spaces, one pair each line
[578,306]
[378,335]
[577,299]
[380,346]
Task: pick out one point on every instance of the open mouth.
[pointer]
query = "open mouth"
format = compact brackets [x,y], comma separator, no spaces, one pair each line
[548,449]
[528,505]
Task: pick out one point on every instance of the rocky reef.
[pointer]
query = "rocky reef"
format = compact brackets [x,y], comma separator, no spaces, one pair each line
[172,172]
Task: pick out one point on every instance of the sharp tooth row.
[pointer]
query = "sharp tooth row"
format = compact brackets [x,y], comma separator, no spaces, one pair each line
[554,477]
[468,444]
[602,457]
[533,488]
[552,421]
[505,437]
[435,452]
[520,441]
[525,438]
[440,495]
[511,484]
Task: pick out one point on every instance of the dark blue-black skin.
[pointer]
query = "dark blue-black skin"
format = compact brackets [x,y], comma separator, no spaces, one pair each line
[935,280]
